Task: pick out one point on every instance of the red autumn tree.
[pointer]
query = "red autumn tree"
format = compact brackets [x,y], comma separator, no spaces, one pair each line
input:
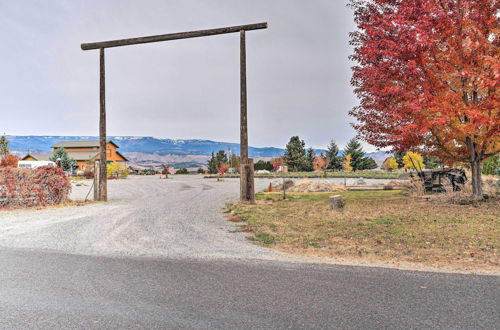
[319,163]
[9,161]
[223,167]
[427,76]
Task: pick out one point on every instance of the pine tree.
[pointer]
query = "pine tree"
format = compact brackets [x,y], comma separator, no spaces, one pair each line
[4,146]
[367,163]
[66,161]
[334,162]
[354,149]
[431,162]
[295,154]
[398,155]
[212,164]
[310,157]
[216,160]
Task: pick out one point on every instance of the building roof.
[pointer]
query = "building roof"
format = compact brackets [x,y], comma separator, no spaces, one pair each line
[88,155]
[38,157]
[76,155]
[81,144]
[125,158]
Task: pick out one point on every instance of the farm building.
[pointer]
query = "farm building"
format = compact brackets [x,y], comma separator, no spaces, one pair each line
[84,153]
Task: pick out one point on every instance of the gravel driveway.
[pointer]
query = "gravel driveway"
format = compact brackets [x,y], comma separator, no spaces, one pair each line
[179,218]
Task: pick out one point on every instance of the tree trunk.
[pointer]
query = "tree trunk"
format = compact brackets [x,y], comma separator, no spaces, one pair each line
[475,166]
[477,187]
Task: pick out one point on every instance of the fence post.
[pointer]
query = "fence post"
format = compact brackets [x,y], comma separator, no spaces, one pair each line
[250,182]
[96,180]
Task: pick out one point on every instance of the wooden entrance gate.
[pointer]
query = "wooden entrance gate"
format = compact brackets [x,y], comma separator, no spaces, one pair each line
[247,193]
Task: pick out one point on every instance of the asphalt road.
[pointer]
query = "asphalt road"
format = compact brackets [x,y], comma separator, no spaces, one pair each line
[60,291]
[161,256]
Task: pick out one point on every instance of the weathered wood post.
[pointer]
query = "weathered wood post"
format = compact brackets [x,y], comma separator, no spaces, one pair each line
[336,202]
[96,180]
[103,184]
[250,182]
[246,181]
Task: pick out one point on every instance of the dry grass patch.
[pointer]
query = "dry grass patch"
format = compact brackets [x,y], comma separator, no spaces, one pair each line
[378,226]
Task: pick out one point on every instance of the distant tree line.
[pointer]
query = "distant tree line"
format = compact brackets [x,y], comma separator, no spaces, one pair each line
[299,159]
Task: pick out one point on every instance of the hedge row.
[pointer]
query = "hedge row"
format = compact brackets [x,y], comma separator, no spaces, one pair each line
[33,187]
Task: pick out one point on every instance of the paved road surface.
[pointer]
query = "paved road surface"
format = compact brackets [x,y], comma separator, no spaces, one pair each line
[160,255]
[55,291]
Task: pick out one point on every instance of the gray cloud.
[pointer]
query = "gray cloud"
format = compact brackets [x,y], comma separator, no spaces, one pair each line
[298,71]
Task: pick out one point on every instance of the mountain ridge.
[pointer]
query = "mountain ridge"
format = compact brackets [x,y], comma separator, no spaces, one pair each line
[146,148]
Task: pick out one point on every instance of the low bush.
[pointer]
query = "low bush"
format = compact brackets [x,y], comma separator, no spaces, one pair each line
[116,171]
[33,187]
[88,174]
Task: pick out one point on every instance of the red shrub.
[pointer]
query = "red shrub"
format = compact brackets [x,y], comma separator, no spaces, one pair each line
[88,174]
[33,187]
[9,161]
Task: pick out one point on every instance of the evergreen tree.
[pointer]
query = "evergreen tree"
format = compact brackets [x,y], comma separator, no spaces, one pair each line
[66,161]
[309,163]
[354,149]
[221,157]
[263,165]
[332,155]
[216,160]
[4,146]
[368,163]
[235,162]
[398,155]
[431,162]
[182,171]
[295,154]
[212,164]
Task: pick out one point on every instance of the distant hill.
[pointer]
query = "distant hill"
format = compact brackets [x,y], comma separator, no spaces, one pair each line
[150,149]
[148,145]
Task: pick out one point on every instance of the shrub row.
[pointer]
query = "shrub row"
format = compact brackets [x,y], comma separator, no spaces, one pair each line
[33,187]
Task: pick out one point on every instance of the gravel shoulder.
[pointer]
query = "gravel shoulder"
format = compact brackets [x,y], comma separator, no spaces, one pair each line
[178,218]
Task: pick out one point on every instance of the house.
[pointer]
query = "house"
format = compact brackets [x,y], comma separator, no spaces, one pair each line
[85,153]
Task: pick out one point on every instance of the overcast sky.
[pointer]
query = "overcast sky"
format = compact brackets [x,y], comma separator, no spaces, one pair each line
[298,70]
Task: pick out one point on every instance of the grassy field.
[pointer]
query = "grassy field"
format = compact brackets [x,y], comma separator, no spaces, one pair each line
[377,226]
[358,174]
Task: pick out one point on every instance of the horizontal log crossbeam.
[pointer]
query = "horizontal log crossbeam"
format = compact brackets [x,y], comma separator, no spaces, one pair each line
[172,36]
